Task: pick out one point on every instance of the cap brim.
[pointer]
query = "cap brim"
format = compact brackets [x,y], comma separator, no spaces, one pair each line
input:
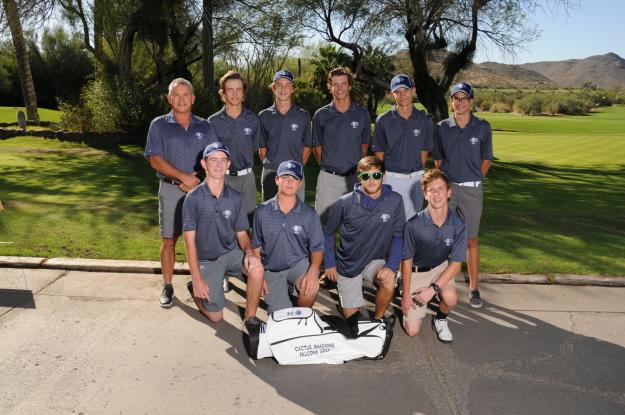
[290,174]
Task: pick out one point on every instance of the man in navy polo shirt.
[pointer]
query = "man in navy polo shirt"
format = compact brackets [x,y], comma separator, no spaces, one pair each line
[216,239]
[238,128]
[370,222]
[463,149]
[287,233]
[174,149]
[403,139]
[341,137]
[434,249]
[285,134]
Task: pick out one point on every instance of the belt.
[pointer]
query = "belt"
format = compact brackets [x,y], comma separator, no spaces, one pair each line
[476,183]
[240,172]
[346,174]
[171,181]
[421,269]
[405,175]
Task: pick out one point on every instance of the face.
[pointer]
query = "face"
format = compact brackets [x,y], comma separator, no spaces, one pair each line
[233,92]
[288,185]
[403,96]
[216,164]
[437,193]
[283,89]
[371,185]
[181,99]
[461,103]
[340,87]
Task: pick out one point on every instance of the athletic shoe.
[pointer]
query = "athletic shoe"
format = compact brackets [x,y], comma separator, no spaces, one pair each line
[252,329]
[474,299]
[167,296]
[441,328]
[226,285]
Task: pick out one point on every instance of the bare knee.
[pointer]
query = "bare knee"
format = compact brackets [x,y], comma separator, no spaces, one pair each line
[449,297]
[388,284]
[215,317]
[168,243]
[412,328]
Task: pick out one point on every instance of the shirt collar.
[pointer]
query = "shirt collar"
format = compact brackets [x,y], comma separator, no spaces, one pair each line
[171,120]
[207,190]
[273,202]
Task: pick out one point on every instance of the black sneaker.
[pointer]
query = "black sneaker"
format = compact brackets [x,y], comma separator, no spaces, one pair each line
[252,330]
[167,296]
[474,299]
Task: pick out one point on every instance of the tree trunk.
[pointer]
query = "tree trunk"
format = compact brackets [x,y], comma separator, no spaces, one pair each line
[208,53]
[21,54]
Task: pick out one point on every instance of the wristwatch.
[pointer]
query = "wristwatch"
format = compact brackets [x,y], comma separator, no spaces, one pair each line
[436,288]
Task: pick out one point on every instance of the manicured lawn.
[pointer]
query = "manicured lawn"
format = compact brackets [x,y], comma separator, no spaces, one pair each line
[9,114]
[554,198]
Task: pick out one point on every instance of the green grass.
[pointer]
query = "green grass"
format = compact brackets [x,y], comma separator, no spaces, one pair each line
[9,114]
[553,201]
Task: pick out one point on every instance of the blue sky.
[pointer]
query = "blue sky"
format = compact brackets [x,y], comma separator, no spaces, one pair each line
[592,28]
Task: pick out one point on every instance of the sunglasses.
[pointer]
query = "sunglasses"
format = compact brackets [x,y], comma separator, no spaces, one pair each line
[366,176]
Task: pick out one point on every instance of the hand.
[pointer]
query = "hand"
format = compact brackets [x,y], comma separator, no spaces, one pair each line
[407,303]
[330,274]
[189,181]
[423,295]
[200,289]
[251,261]
[384,274]
[309,284]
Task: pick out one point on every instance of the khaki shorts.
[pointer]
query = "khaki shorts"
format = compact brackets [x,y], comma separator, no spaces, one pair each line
[424,279]
[350,289]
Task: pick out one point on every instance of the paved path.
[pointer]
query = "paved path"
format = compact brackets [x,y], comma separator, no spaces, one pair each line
[94,342]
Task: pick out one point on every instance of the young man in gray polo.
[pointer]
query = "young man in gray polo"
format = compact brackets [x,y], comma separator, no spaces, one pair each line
[463,149]
[174,149]
[435,245]
[287,233]
[239,129]
[341,136]
[216,239]
[285,134]
[370,221]
[403,139]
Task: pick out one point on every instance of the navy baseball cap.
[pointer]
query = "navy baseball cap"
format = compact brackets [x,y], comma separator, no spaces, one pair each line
[292,168]
[216,146]
[284,74]
[462,87]
[401,81]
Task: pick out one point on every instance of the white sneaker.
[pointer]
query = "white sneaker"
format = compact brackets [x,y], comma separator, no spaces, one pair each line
[441,327]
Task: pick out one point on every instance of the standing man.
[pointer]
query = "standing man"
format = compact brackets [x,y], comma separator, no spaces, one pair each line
[370,221]
[287,233]
[341,136]
[463,149]
[435,245]
[285,134]
[403,139]
[238,128]
[174,149]
[214,221]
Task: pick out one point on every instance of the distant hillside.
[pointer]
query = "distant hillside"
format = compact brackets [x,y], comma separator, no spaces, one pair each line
[499,75]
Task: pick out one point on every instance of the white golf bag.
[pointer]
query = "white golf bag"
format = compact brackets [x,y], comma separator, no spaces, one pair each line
[299,335]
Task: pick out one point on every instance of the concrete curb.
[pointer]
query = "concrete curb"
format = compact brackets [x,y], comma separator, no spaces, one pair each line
[154,267]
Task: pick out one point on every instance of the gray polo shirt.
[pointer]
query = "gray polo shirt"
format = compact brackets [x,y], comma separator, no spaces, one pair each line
[239,134]
[285,239]
[215,220]
[463,149]
[181,148]
[341,134]
[428,245]
[402,140]
[284,136]
[366,228]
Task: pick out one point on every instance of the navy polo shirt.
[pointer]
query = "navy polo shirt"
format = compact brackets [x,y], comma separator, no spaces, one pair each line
[463,149]
[402,140]
[181,148]
[428,245]
[366,228]
[215,220]
[341,134]
[239,134]
[284,136]
[286,239]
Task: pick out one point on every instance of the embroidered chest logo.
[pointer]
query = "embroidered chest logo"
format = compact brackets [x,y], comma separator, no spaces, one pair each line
[199,135]
[385,217]
[294,127]
[448,241]
[354,124]
[297,229]
[474,140]
[227,214]
[247,131]
[416,132]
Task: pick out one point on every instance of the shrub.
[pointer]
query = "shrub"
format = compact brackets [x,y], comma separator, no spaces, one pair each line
[500,107]
[529,105]
[309,98]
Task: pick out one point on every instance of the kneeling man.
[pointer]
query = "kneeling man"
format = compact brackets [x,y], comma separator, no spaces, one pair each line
[214,220]
[435,244]
[370,221]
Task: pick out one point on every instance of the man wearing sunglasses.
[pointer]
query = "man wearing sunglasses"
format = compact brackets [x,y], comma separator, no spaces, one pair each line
[370,222]
[463,149]
[403,139]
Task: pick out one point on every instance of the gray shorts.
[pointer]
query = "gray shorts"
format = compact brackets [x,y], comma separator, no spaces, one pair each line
[409,187]
[425,279]
[269,187]
[350,289]
[170,200]
[329,189]
[467,203]
[214,272]
[278,282]
[246,185]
